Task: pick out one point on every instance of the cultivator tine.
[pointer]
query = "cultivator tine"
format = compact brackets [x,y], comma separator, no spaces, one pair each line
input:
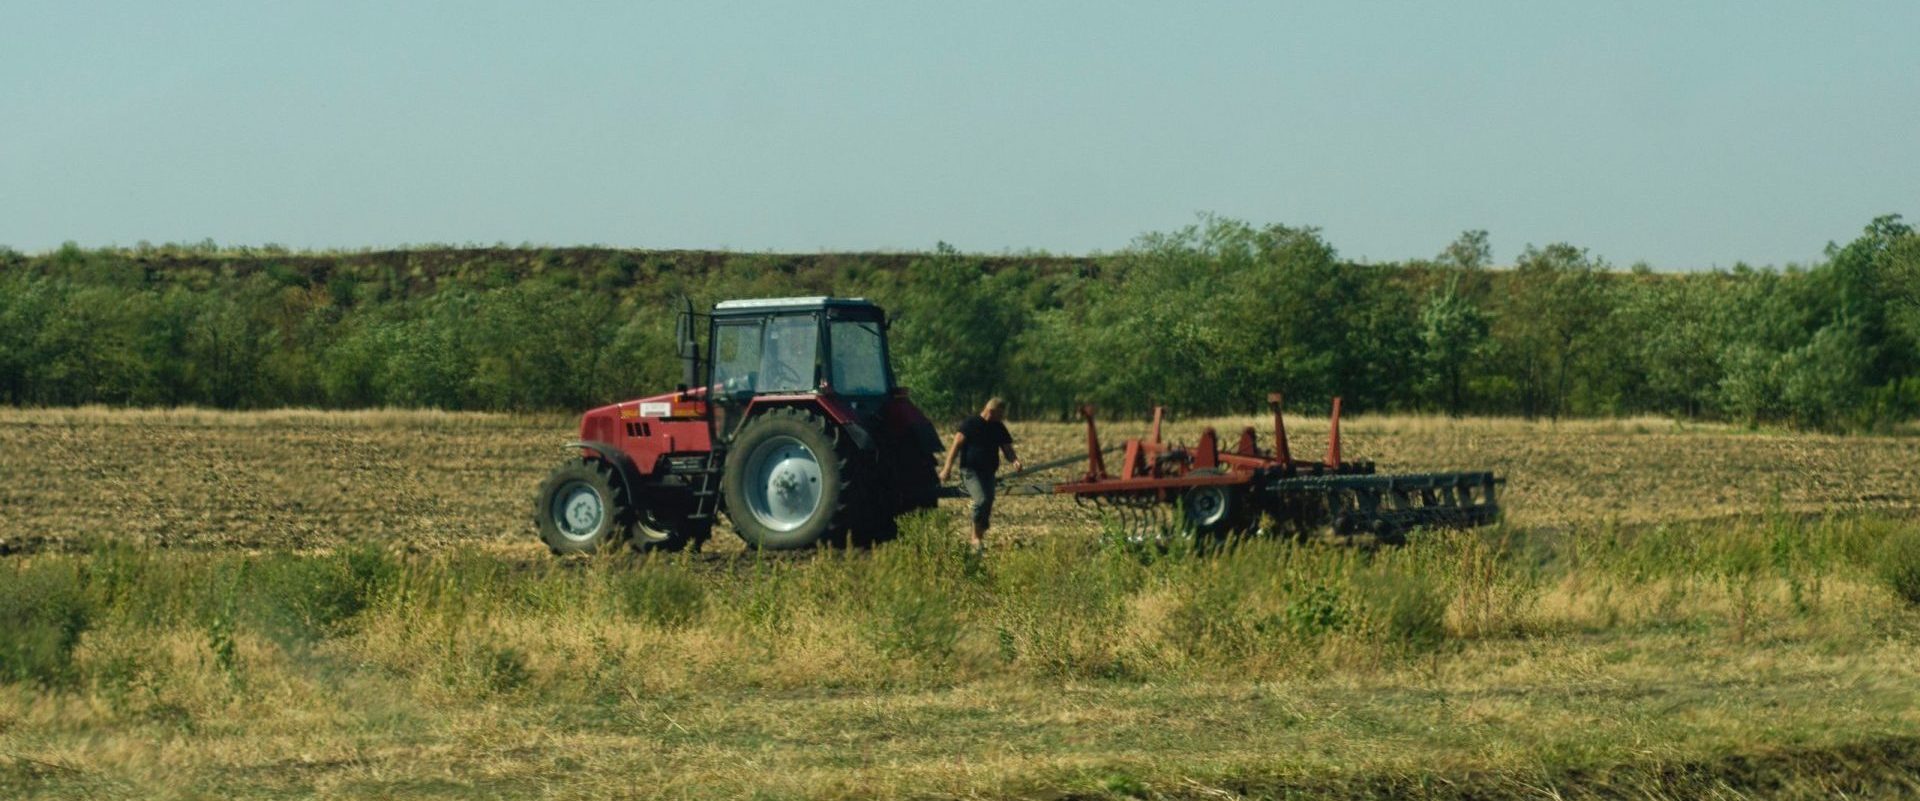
[1137,518]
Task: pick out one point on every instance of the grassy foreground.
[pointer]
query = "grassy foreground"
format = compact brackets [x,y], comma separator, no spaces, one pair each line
[1773,658]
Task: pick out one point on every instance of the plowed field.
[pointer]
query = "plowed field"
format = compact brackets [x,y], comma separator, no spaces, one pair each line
[296,479]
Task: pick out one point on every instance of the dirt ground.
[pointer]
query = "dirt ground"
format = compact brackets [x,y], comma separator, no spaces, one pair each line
[308,479]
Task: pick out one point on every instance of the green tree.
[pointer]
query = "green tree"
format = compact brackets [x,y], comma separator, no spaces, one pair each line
[1454,338]
[1471,251]
[1557,311]
[1681,329]
[953,333]
[1820,382]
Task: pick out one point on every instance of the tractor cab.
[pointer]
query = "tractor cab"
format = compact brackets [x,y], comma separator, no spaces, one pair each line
[790,347]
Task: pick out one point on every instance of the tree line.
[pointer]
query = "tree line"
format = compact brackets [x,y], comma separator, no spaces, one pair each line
[1203,319]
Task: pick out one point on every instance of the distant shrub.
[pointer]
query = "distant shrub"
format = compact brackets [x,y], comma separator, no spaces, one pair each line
[763,603]
[503,670]
[912,592]
[1899,564]
[1316,612]
[915,621]
[1209,317]
[43,612]
[1062,608]
[311,597]
[667,598]
[1406,610]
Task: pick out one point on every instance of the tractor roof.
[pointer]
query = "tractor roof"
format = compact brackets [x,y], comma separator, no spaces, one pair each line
[764,305]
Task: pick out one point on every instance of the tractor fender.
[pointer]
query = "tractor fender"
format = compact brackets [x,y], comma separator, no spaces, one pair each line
[927,437]
[841,414]
[844,415]
[862,438]
[906,423]
[622,463]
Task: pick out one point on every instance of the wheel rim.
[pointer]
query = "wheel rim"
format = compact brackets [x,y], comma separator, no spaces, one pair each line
[651,528]
[577,511]
[1206,506]
[783,483]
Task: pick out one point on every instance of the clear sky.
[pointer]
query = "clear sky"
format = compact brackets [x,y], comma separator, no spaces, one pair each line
[1684,134]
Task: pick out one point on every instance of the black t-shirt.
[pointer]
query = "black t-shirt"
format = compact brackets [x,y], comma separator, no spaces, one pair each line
[980,450]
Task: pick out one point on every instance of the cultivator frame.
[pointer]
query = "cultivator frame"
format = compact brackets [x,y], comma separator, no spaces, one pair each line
[1162,490]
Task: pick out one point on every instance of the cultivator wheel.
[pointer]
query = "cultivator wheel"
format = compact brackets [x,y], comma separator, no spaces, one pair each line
[1217,510]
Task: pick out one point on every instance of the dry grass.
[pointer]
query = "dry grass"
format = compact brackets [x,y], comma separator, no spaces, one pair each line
[1762,658]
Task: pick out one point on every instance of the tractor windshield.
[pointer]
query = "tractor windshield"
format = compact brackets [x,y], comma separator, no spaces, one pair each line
[787,362]
[736,357]
[859,358]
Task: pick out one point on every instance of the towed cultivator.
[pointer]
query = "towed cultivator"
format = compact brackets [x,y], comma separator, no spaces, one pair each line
[1162,490]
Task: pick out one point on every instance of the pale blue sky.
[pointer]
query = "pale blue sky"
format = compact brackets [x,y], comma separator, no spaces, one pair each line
[1685,134]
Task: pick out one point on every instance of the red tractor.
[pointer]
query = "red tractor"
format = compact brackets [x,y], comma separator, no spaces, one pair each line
[792,425]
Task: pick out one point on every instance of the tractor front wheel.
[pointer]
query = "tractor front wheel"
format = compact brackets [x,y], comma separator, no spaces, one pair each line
[581,508]
[786,481]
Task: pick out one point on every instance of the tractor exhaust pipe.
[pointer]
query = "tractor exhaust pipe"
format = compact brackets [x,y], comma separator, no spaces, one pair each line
[689,345]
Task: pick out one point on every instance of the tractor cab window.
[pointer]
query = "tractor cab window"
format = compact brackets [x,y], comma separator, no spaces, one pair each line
[736,357]
[787,361]
[859,357]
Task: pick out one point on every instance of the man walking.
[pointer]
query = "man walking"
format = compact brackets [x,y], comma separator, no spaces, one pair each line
[978,444]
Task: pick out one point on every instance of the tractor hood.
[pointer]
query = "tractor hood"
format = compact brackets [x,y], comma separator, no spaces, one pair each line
[601,423]
[893,418]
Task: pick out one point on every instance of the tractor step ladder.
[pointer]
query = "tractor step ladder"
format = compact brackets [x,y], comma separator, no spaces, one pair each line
[706,497]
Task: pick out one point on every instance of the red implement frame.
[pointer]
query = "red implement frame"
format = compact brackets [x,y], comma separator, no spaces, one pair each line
[1151,465]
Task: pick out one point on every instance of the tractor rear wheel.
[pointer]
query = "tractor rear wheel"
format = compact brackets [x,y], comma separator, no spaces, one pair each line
[786,481]
[582,507]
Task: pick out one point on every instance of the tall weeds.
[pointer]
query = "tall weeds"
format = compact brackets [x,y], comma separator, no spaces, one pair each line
[142,624]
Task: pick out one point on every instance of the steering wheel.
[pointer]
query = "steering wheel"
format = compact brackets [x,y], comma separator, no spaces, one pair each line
[783,375]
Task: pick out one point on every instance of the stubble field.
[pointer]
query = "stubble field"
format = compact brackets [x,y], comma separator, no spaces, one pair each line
[302,604]
[423,480]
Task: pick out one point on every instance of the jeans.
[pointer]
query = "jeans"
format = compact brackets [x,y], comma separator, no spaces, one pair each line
[979,488]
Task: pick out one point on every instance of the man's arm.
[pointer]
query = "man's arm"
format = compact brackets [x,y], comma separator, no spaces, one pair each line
[946,471]
[1012,458]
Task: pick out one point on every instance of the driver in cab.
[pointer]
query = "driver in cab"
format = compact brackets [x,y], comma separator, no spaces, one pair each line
[787,363]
